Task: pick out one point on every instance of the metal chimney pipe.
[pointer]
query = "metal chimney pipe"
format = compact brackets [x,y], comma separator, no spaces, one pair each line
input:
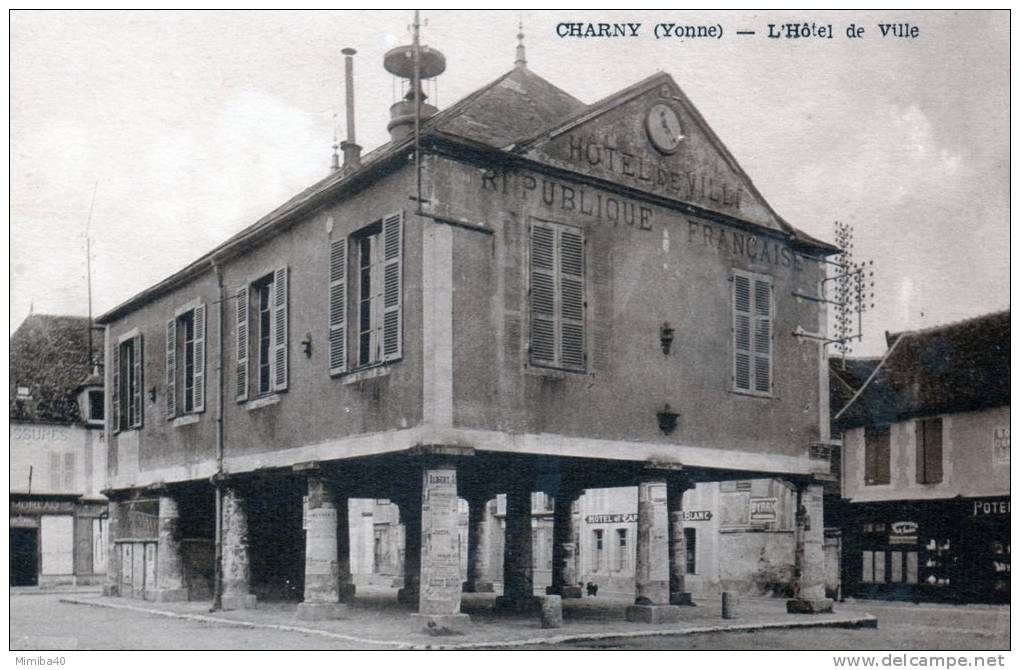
[350,148]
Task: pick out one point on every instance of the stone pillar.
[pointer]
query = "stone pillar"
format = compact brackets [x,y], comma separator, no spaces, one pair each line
[170,584]
[343,547]
[111,586]
[410,515]
[478,545]
[565,580]
[809,569]
[236,567]
[322,595]
[678,594]
[440,584]
[518,569]
[651,573]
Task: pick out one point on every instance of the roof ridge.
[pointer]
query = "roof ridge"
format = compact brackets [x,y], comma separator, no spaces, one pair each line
[949,324]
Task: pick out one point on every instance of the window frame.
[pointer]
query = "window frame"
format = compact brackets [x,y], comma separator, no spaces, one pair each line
[923,445]
[248,331]
[90,407]
[874,478]
[753,317]
[556,274]
[129,378]
[178,393]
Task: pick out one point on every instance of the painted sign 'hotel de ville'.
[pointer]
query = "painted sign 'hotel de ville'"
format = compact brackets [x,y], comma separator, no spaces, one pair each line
[518,293]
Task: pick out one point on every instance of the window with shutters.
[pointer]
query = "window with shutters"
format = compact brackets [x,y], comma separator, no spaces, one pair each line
[876,455]
[127,383]
[261,336]
[185,361]
[366,296]
[752,333]
[929,450]
[557,296]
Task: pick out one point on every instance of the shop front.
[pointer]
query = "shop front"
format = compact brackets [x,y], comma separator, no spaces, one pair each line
[56,539]
[954,550]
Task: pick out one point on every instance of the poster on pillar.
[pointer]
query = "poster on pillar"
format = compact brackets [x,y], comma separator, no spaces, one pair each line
[440,549]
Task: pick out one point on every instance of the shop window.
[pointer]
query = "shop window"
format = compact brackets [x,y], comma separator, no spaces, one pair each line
[876,455]
[598,556]
[557,297]
[752,333]
[691,550]
[373,318]
[127,383]
[261,335]
[929,450]
[185,362]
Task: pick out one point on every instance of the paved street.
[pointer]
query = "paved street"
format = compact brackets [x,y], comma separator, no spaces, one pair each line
[42,621]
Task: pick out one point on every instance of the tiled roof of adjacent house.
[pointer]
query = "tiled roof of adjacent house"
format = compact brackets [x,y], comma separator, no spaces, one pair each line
[958,367]
[49,356]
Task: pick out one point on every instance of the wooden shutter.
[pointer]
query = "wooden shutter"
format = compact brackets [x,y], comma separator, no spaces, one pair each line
[763,335]
[139,392]
[171,368]
[543,295]
[392,286]
[741,332]
[929,451]
[279,335]
[241,344]
[876,455]
[115,391]
[572,301]
[198,348]
[338,306]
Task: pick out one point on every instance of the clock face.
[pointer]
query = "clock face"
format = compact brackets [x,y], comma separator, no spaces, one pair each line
[663,127]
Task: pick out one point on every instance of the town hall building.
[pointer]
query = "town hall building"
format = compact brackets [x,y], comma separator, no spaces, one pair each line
[557,296]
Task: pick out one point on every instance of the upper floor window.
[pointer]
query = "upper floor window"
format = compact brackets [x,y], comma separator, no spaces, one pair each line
[876,455]
[261,335]
[929,450]
[127,382]
[374,317]
[185,361]
[557,296]
[94,403]
[752,333]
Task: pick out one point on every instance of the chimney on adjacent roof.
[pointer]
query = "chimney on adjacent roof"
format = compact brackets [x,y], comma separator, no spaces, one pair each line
[521,60]
[350,147]
[400,62]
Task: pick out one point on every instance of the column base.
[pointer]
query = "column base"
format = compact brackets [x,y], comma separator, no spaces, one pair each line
[518,604]
[681,598]
[653,613]
[478,586]
[808,605]
[321,611]
[167,595]
[442,624]
[564,591]
[111,590]
[238,601]
[347,591]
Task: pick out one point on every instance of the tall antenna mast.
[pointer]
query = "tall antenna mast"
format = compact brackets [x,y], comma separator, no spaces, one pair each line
[88,269]
[416,85]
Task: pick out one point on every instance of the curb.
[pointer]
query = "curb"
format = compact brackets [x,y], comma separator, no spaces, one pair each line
[852,621]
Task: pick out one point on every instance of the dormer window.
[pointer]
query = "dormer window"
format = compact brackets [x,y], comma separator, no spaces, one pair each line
[95,406]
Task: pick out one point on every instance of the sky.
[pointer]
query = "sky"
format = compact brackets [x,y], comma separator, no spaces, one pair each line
[188,126]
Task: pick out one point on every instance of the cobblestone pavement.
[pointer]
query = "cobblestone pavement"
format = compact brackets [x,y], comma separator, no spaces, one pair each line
[376,621]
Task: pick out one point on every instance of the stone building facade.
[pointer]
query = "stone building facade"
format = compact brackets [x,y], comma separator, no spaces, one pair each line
[578,297]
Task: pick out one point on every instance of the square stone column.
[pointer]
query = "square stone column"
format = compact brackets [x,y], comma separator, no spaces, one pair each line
[518,569]
[479,520]
[322,584]
[440,585]
[343,547]
[410,503]
[565,580]
[236,564]
[170,584]
[809,569]
[111,585]
[678,594]
[651,572]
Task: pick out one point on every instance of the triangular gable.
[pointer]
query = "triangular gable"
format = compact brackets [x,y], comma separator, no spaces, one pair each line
[616,139]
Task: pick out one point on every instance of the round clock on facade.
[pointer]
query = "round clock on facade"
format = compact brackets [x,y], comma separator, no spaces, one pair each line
[663,127]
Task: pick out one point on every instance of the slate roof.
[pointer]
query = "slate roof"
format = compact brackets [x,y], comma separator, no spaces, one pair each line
[509,114]
[49,355]
[958,367]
